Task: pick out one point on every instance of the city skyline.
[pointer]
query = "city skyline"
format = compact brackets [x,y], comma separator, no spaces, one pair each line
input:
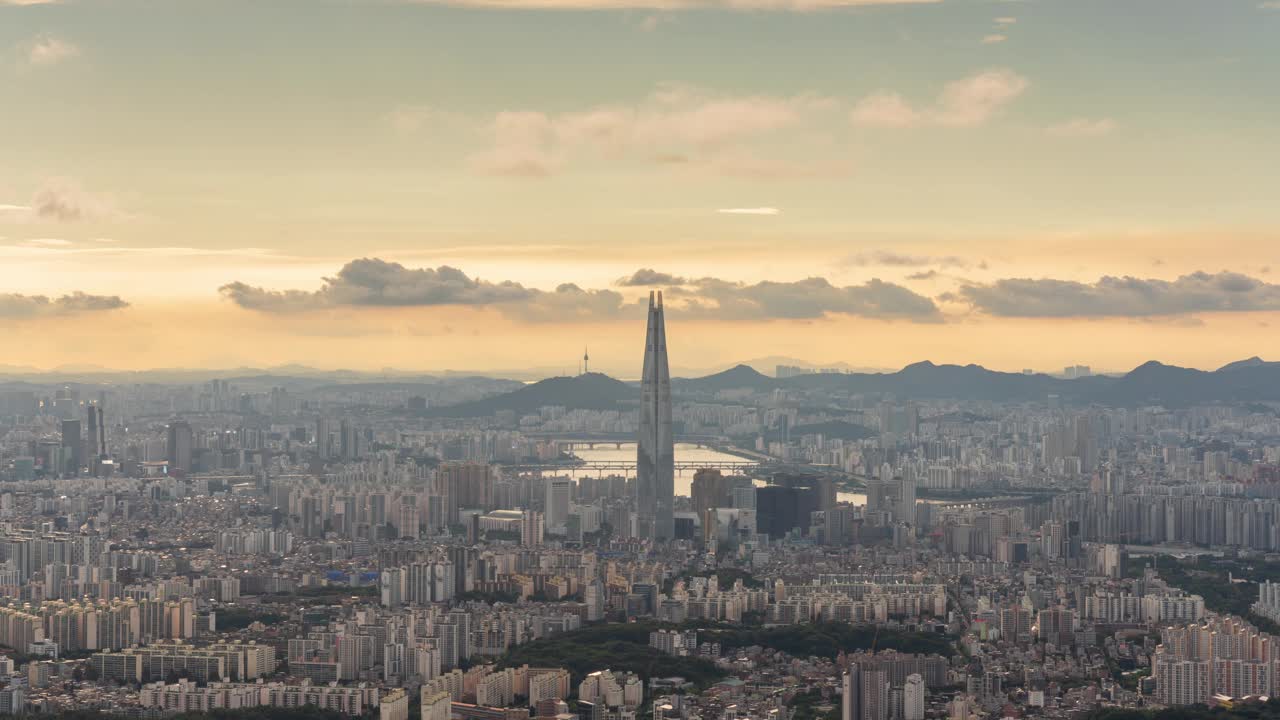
[321,393]
[869,182]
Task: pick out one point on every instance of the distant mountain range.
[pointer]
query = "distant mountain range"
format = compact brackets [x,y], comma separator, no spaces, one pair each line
[1153,383]
[770,363]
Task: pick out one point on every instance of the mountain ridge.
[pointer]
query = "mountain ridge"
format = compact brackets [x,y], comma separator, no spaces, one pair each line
[588,391]
[1152,382]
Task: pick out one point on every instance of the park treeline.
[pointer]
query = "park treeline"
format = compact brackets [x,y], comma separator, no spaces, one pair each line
[625,647]
[1269,710]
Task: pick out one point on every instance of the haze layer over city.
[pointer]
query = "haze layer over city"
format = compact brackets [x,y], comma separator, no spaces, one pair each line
[639,359]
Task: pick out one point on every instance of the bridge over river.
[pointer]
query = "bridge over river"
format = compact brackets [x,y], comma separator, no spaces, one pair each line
[572,441]
[623,467]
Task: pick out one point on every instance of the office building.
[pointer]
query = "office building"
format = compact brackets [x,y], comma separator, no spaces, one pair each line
[72,448]
[559,491]
[655,451]
[179,446]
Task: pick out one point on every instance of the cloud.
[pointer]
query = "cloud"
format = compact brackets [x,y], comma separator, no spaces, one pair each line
[567,303]
[1269,5]
[47,50]
[1082,127]
[66,201]
[61,200]
[888,258]
[15,306]
[522,146]
[748,165]
[994,39]
[1007,20]
[688,116]
[807,299]
[974,100]
[646,277]
[750,211]
[14,213]
[774,5]
[924,275]
[968,102]
[518,161]
[673,126]
[372,282]
[414,118]
[886,110]
[1122,296]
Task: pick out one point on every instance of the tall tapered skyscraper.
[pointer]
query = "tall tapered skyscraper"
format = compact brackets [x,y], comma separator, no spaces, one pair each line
[655,461]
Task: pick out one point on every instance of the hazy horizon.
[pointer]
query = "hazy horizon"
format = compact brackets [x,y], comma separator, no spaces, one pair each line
[537,373]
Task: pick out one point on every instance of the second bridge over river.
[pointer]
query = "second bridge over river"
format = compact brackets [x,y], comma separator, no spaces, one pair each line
[622,467]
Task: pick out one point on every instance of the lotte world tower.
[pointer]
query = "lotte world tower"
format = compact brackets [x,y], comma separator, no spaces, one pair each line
[655,461]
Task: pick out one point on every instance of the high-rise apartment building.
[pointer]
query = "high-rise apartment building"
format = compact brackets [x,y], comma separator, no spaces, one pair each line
[850,694]
[875,695]
[349,440]
[179,445]
[913,693]
[710,489]
[324,438]
[72,448]
[466,486]
[532,524]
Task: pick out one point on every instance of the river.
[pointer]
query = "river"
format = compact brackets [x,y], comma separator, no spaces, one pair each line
[685,453]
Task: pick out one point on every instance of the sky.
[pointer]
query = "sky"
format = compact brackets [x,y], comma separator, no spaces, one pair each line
[495,184]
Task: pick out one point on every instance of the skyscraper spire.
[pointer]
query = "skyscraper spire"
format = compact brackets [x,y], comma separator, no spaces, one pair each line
[655,451]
